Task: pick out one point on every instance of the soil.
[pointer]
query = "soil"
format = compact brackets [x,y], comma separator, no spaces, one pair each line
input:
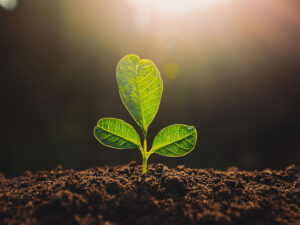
[121,195]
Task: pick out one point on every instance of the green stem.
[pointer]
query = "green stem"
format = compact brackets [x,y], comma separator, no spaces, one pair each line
[145,154]
[144,164]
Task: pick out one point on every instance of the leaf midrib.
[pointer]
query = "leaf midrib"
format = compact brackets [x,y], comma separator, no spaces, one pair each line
[140,103]
[144,128]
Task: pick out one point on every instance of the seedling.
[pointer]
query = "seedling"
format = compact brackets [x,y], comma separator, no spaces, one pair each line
[140,87]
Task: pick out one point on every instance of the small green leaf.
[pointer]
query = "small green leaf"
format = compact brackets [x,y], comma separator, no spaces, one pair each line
[140,88]
[175,140]
[116,133]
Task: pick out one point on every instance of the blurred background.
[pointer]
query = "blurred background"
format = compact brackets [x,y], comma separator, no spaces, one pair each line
[230,67]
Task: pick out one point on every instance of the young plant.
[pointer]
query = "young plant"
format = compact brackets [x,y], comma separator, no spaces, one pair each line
[140,87]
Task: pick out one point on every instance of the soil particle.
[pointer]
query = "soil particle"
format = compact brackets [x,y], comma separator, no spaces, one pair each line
[123,196]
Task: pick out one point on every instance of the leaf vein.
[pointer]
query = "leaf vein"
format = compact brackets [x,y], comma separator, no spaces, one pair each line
[163,146]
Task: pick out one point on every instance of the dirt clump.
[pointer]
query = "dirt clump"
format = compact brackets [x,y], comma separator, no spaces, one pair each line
[123,196]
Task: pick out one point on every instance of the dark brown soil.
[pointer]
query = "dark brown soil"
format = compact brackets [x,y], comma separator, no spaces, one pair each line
[121,195]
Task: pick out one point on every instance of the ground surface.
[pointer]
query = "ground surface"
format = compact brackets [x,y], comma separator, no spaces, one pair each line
[121,195]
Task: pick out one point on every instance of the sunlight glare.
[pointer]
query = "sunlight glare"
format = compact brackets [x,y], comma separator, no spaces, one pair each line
[175,6]
[146,10]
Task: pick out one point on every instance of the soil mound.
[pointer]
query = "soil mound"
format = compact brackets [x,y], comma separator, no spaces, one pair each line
[121,195]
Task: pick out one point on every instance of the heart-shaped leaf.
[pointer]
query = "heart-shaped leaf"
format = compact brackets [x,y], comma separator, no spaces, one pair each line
[140,88]
[175,140]
[116,133]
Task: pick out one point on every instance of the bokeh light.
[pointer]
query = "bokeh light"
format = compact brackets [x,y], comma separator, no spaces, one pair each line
[171,71]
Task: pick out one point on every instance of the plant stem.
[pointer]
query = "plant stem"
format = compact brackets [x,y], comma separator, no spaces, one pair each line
[145,154]
[144,164]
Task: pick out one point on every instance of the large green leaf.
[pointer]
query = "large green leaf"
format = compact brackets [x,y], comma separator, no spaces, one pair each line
[116,133]
[175,140]
[140,87]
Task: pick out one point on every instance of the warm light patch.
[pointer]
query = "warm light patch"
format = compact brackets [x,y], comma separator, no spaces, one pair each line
[147,12]
[175,6]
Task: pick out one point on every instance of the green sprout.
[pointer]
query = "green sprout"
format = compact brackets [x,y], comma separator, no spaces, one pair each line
[140,87]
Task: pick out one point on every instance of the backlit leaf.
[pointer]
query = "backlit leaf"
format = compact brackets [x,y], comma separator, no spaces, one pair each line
[175,140]
[140,88]
[116,133]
